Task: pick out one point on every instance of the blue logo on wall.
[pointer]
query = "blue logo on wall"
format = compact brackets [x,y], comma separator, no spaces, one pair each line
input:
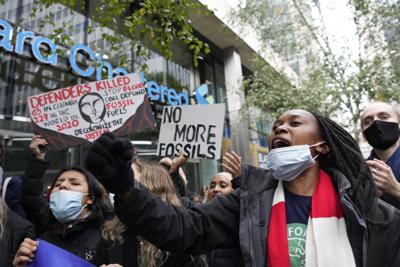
[170,96]
[39,42]
[156,92]
[200,94]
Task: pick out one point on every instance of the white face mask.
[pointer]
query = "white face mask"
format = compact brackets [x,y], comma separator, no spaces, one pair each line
[287,163]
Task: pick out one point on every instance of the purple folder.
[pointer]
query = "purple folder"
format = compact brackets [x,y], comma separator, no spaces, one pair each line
[48,255]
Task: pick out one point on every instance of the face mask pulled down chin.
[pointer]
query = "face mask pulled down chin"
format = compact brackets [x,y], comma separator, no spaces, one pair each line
[382,134]
[287,163]
[66,205]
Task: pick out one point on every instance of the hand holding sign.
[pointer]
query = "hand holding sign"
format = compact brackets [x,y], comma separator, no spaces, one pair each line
[25,253]
[178,162]
[37,147]
[81,113]
[48,255]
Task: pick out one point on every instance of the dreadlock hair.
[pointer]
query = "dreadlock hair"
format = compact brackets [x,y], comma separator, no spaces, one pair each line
[346,157]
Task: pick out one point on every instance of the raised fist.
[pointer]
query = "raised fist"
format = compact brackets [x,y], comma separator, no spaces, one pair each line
[109,160]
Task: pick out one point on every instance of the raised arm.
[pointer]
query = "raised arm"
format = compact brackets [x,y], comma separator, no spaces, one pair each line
[175,229]
[33,201]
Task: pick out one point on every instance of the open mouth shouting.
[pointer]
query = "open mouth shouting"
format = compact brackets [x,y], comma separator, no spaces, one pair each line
[280,142]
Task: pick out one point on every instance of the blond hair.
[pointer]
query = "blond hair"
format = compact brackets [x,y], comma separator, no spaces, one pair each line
[158,181]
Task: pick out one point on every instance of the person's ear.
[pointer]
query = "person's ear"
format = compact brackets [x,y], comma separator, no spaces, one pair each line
[89,200]
[322,149]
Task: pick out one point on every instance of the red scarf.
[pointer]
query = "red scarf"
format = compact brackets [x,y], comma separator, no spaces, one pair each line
[327,243]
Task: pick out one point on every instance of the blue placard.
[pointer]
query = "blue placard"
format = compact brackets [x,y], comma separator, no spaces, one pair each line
[48,255]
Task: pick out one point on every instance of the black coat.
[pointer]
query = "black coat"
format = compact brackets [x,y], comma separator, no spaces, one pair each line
[126,254]
[241,220]
[16,229]
[225,258]
[80,237]
[13,194]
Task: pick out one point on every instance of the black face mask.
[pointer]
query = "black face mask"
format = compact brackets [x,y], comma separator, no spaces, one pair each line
[382,134]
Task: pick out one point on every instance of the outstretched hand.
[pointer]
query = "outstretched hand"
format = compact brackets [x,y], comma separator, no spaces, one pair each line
[231,163]
[109,160]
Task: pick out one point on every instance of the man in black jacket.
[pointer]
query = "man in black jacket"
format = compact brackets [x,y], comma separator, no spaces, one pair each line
[380,124]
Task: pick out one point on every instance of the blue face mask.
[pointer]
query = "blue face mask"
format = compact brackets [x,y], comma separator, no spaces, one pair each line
[66,205]
[287,163]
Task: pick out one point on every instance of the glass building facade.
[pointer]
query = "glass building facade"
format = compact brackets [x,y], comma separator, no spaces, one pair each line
[21,76]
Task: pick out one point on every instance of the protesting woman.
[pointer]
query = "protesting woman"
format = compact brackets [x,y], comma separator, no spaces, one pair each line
[72,218]
[220,185]
[314,206]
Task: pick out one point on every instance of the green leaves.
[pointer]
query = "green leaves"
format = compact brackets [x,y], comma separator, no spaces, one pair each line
[329,82]
[155,22]
[162,22]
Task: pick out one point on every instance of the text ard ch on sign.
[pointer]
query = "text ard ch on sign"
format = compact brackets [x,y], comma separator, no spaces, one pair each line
[81,113]
[195,130]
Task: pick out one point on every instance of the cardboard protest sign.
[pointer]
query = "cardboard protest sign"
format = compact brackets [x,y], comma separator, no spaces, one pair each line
[195,129]
[51,255]
[81,113]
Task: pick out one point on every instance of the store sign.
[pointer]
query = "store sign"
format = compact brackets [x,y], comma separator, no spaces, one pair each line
[156,92]
[196,130]
[171,97]
[39,42]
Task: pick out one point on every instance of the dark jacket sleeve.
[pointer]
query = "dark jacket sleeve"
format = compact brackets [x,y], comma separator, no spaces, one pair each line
[176,229]
[393,239]
[16,229]
[33,201]
[384,236]
[179,183]
[13,195]
[20,228]
[237,182]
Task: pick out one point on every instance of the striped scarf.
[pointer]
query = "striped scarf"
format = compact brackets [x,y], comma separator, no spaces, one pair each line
[327,243]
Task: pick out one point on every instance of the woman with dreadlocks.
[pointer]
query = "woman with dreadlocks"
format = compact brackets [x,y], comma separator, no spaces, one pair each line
[314,206]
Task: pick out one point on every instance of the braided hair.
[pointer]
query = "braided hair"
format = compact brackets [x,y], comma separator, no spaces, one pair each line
[346,157]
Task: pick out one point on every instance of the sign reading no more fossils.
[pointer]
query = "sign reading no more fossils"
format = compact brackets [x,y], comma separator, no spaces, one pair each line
[196,130]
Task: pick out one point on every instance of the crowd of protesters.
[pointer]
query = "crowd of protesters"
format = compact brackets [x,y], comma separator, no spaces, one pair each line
[318,202]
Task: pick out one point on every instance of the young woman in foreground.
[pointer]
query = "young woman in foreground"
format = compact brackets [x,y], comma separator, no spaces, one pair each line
[315,206]
[72,217]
